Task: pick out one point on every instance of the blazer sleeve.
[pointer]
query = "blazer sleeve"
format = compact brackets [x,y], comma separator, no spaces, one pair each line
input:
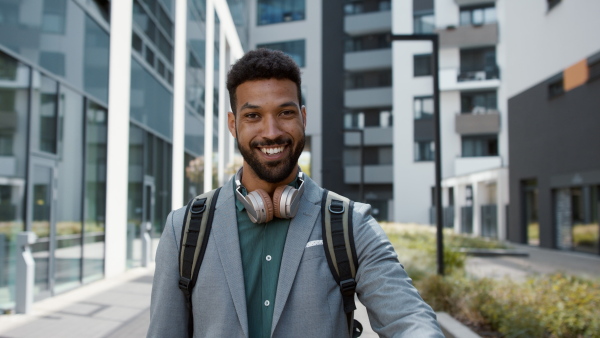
[168,311]
[393,304]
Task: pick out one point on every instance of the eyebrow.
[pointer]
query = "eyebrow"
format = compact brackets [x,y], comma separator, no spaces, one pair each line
[285,104]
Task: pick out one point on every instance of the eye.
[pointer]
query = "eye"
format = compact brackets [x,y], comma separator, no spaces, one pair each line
[251,116]
[287,112]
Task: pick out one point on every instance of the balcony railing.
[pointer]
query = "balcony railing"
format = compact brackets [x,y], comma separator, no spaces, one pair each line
[455,79]
[478,75]
[477,122]
[367,6]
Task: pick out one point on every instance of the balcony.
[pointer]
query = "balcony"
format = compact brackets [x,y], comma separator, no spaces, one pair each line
[454,79]
[468,36]
[368,97]
[477,123]
[374,174]
[368,59]
[467,165]
[374,136]
[368,22]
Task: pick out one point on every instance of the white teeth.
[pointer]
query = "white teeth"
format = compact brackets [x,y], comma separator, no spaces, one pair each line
[271,151]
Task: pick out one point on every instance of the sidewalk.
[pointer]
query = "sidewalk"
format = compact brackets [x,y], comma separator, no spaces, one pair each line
[120,307]
[540,261]
[116,307]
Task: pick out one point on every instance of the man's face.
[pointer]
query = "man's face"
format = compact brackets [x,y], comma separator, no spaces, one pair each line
[269,126]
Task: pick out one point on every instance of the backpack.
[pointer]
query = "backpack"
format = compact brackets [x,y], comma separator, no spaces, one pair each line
[338,243]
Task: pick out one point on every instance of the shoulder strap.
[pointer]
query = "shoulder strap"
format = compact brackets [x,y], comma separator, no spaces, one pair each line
[338,243]
[194,237]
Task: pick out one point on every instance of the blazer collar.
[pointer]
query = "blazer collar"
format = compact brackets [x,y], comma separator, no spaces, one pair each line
[225,232]
[298,235]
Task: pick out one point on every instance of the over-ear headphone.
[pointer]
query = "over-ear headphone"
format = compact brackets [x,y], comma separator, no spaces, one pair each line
[261,208]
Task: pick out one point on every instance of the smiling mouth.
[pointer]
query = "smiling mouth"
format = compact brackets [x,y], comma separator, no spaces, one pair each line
[272,151]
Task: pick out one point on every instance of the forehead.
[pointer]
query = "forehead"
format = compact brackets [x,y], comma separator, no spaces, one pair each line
[266,90]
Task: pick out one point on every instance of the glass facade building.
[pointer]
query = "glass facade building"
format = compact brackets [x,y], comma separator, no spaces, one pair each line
[55,79]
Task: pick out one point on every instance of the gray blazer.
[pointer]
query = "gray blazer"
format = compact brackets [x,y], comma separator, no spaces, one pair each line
[308,302]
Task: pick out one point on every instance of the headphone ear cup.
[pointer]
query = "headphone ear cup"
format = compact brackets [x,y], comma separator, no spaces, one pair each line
[278,203]
[267,203]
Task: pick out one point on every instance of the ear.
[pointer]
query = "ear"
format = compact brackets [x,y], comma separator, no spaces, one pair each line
[303,112]
[231,124]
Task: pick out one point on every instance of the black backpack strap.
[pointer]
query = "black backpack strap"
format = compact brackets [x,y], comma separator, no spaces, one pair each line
[338,243]
[194,237]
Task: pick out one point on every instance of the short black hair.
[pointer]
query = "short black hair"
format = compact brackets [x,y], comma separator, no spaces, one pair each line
[262,64]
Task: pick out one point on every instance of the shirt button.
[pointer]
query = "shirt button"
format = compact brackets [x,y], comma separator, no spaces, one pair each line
[268,258]
[267,303]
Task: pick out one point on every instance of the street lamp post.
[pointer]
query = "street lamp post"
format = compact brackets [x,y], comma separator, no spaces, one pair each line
[438,157]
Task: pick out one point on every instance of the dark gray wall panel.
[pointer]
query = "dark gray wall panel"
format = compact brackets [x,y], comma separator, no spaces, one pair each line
[550,139]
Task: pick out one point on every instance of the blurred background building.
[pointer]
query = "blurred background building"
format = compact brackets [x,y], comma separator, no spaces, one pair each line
[112,113]
[108,119]
[518,113]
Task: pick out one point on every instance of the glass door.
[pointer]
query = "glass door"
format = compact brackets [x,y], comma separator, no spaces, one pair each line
[41,201]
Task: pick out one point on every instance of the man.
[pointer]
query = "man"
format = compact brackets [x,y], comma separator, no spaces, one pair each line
[272,279]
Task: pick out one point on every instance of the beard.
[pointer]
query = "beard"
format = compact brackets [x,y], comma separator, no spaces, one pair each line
[273,171]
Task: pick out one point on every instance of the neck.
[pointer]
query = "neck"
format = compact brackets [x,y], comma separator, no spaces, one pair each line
[252,182]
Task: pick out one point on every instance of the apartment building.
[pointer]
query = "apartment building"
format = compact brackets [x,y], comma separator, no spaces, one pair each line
[345,58]
[553,106]
[109,113]
[473,115]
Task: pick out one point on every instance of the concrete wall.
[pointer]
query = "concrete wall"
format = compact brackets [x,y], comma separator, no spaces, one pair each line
[542,43]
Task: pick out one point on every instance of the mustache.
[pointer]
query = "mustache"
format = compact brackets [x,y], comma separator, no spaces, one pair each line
[280,141]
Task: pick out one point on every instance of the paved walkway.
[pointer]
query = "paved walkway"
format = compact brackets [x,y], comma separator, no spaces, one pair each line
[540,261]
[119,307]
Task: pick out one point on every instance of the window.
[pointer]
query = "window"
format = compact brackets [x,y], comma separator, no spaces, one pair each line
[594,67]
[153,29]
[477,15]
[275,11]
[53,20]
[423,107]
[369,79]
[479,145]
[478,64]
[424,151]
[366,6]
[555,86]
[423,23]
[295,49]
[370,117]
[368,42]
[136,42]
[422,65]
[478,102]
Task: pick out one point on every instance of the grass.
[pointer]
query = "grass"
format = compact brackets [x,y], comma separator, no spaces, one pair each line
[556,305]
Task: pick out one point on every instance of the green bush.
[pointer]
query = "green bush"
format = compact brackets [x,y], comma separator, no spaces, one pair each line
[555,305]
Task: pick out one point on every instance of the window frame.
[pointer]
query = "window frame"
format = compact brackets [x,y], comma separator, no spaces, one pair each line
[282,4]
[282,46]
[429,69]
[420,115]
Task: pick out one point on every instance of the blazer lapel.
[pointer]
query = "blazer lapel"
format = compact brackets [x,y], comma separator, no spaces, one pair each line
[298,234]
[225,231]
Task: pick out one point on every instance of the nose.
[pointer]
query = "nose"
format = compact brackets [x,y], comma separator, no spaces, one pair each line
[271,128]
